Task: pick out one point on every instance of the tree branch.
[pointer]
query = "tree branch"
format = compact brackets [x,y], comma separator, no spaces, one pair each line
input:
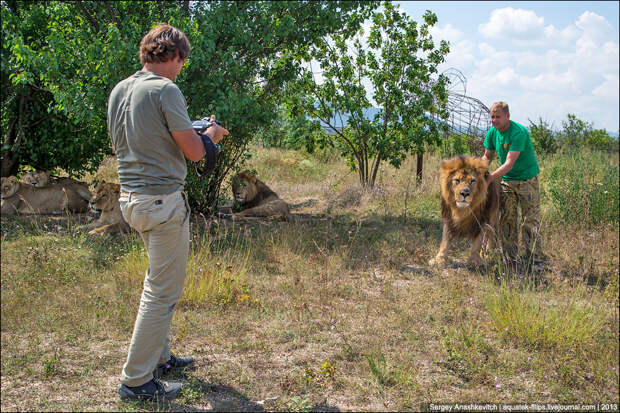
[93,22]
[111,12]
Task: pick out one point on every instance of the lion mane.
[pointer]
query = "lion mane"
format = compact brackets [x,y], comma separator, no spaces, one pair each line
[105,201]
[469,205]
[22,198]
[256,199]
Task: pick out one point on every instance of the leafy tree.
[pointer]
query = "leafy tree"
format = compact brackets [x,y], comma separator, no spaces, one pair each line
[599,139]
[289,131]
[33,132]
[398,64]
[242,55]
[543,137]
[577,134]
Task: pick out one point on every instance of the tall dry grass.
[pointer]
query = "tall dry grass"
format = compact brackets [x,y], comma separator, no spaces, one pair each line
[338,310]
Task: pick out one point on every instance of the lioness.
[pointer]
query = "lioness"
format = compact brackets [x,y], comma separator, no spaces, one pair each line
[257,199]
[469,206]
[41,179]
[105,201]
[21,198]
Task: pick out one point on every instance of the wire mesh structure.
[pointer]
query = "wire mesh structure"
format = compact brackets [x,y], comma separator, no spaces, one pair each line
[468,115]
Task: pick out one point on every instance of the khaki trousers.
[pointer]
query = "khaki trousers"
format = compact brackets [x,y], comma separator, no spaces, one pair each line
[526,194]
[163,223]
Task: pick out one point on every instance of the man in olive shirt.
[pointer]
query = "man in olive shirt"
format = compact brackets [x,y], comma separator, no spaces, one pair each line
[519,182]
[152,134]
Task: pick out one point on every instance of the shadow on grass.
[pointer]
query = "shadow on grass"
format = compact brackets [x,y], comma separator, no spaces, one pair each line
[201,396]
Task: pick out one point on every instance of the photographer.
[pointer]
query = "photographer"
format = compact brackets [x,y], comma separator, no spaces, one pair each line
[152,134]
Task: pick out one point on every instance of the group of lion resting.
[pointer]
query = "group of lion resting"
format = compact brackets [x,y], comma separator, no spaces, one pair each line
[469,206]
[38,193]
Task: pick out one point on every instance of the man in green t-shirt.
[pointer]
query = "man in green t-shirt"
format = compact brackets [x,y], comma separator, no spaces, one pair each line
[519,183]
[152,135]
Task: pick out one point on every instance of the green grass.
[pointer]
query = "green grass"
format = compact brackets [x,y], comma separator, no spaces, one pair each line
[322,313]
[542,320]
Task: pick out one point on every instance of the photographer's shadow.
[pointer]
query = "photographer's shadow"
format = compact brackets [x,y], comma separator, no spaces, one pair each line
[223,398]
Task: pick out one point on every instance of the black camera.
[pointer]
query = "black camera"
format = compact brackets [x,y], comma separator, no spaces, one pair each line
[201,125]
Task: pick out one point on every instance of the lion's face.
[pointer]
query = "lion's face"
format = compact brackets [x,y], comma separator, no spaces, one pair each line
[38,179]
[244,187]
[10,186]
[464,181]
[106,197]
[464,185]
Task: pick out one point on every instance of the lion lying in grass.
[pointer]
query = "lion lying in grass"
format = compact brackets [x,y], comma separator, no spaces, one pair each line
[105,201]
[469,206]
[256,199]
[42,179]
[21,198]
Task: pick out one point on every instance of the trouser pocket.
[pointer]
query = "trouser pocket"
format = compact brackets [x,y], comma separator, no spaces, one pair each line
[147,212]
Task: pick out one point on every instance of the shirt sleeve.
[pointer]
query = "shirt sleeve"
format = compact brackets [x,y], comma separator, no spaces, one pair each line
[489,142]
[174,108]
[518,141]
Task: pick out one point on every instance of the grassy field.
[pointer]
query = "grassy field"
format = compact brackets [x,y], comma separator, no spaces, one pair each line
[336,312]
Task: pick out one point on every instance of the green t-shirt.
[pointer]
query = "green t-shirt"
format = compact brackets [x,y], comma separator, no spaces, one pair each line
[515,138]
[142,111]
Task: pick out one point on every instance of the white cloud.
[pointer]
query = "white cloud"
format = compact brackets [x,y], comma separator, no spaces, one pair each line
[594,27]
[509,22]
[446,32]
[541,70]
[609,88]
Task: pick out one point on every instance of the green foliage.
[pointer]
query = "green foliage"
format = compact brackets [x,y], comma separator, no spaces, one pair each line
[455,144]
[242,55]
[583,187]
[289,132]
[577,134]
[36,131]
[543,138]
[399,63]
[380,369]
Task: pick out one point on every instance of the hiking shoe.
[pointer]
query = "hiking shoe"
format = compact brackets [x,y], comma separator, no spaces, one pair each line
[175,363]
[152,390]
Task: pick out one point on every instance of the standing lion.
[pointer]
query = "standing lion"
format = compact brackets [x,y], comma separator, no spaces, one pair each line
[469,205]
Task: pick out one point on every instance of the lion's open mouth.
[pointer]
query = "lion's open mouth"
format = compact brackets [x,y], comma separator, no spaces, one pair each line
[462,204]
[239,199]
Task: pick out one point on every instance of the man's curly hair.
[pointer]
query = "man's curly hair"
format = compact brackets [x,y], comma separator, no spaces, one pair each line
[162,43]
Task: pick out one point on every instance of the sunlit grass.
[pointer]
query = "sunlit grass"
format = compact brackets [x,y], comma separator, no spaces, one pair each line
[320,313]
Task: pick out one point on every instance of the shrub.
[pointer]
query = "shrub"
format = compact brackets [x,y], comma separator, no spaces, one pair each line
[583,187]
[543,138]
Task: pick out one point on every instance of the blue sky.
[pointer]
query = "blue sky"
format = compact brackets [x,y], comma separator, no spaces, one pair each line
[545,59]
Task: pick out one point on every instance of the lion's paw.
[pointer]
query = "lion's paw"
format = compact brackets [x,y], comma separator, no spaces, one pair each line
[474,262]
[439,261]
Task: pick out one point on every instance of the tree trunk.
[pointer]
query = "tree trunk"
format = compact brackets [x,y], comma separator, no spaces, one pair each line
[419,168]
